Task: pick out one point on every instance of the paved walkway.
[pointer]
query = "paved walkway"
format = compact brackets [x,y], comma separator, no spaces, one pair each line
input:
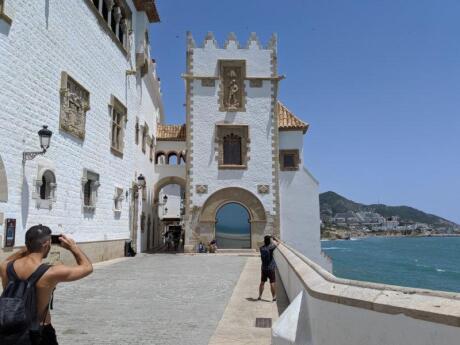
[151,299]
[238,323]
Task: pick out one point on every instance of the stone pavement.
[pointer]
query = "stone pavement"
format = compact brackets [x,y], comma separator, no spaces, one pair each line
[151,299]
[238,323]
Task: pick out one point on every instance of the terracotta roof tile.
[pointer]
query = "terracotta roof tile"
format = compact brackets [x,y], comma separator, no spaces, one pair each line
[287,121]
[171,132]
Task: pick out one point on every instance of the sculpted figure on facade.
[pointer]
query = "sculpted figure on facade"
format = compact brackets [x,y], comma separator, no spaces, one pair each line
[233,91]
[74,105]
[232,74]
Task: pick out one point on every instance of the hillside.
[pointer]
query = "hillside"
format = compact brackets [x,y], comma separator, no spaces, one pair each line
[332,203]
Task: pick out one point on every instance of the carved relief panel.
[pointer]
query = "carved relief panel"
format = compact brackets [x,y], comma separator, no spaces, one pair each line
[74,105]
[232,93]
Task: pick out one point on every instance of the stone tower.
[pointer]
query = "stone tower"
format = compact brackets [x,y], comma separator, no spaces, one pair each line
[232,135]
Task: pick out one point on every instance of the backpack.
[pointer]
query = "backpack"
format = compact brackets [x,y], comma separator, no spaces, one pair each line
[266,256]
[18,305]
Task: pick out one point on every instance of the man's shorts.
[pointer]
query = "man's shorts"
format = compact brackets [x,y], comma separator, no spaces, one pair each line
[268,274]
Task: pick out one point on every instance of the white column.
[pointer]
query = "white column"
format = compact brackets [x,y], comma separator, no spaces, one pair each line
[110,4]
[117,16]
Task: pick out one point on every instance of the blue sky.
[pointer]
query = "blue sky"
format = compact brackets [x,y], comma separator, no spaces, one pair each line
[378,81]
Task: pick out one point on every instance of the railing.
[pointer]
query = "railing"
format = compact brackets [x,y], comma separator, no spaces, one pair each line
[326,310]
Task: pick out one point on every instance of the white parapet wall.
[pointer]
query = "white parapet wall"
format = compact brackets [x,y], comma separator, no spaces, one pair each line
[327,310]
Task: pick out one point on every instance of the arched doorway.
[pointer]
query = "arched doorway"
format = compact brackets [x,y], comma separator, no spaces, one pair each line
[169,196]
[207,227]
[233,227]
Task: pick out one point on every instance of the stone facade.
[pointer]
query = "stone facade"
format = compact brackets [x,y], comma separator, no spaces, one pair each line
[81,74]
[232,106]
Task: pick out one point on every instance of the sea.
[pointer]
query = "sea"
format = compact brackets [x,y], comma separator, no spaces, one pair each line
[420,262]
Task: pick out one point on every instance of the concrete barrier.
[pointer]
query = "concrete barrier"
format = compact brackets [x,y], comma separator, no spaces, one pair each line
[326,310]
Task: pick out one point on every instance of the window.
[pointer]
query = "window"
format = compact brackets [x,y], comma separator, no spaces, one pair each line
[119,112]
[90,184]
[136,135]
[232,149]
[289,160]
[145,133]
[151,150]
[232,142]
[118,199]
[45,186]
[160,158]
[172,158]
[115,15]
[48,185]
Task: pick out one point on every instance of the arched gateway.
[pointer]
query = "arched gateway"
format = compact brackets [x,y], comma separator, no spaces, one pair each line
[215,220]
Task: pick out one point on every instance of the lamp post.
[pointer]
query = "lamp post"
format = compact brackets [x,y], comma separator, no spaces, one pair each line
[45,139]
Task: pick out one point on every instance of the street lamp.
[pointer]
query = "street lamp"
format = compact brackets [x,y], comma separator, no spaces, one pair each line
[141,181]
[45,138]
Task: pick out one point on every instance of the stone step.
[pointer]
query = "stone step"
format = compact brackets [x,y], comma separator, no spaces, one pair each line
[237,251]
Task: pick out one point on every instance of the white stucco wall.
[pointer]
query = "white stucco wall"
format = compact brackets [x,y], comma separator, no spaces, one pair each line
[321,321]
[258,116]
[173,204]
[299,193]
[45,39]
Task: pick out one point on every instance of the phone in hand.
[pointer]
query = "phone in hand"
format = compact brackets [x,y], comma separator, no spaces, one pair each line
[55,239]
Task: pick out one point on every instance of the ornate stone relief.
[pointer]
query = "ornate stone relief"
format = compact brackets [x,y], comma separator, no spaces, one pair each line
[232,94]
[263,188]
[75,103]
[202,188]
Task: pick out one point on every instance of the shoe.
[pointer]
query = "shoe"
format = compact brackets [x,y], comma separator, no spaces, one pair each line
[259,299]
[274,299]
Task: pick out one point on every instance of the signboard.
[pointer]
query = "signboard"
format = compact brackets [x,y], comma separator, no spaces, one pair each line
[10,232]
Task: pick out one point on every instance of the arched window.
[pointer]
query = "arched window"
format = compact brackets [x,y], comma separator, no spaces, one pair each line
[172,158]
[160,158]
[232,149]
[182,160]
[48,185]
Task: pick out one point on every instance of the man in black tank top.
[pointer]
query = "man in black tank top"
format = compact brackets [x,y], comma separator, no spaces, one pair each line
[23,263]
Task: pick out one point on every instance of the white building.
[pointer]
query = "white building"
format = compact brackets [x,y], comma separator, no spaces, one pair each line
[82,68]
[243,175]
[232,172]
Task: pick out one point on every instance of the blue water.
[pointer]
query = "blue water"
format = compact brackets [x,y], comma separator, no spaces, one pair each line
[421,262]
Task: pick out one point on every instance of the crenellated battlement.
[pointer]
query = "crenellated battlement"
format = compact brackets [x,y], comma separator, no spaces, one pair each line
[232,42]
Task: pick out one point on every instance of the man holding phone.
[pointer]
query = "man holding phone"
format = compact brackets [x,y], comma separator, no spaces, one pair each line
[23,264]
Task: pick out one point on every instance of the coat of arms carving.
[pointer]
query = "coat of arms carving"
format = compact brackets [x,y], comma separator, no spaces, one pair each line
[74,105]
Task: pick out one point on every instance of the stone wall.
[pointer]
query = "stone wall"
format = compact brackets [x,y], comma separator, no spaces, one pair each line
[325,309]
[44,40]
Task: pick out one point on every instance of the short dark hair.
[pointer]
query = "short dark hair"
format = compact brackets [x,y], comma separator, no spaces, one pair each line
[36,236]
[267,239]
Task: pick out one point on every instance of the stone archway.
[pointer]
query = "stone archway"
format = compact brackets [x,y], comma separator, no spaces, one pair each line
[3,183]
[166,181]
[206,227]
[159,222]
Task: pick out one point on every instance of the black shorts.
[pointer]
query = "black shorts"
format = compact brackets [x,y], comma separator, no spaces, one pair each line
[268,274]
[46,337]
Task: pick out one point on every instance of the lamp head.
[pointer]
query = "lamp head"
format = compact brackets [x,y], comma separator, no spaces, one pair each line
[45,137]
[141,181]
